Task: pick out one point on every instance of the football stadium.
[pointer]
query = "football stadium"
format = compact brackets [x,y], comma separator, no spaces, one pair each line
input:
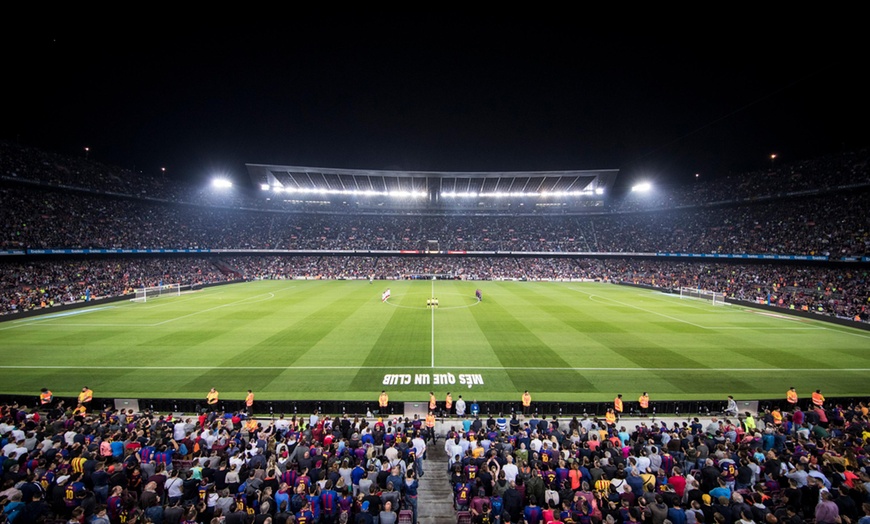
[473,271]
[576,304]
[327,290]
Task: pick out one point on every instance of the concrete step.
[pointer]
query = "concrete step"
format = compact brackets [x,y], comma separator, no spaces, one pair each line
[435,497]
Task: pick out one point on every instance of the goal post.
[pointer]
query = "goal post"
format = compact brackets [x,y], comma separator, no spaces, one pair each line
[714,297]
[144,294]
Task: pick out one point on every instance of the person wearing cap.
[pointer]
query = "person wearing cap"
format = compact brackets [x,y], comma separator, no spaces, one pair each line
[363,517]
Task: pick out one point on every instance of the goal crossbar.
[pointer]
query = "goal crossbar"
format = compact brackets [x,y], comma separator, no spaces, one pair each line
[144,294]
[714,297]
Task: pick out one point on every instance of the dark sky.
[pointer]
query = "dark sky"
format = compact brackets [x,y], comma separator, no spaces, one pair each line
[432,93]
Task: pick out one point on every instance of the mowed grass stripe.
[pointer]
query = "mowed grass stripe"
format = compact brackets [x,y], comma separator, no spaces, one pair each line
[516,345]
[459,339]
[461,346]
[405,340]
[352,340]
[640,342]
[296,326]
[602,333]
[223,326]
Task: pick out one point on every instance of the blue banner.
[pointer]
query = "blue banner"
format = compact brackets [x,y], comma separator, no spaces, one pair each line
[745,256]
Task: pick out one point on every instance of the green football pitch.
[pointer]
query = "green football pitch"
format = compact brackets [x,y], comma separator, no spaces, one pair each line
[337,340]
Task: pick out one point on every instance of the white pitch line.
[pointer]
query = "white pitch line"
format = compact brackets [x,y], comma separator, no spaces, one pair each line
[42,323]
[783,317]
[433,325]
[769,328]
[269,296]
[457,367]
[862,335]
[593,297]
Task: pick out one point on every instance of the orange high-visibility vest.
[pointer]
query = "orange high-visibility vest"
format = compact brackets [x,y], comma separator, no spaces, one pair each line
[617,405]
[432,402]
[818,399]
[383,400]
[86,396]
[777,417]
[644,401]
[430,421]
[45,398]
[610,417]
[449,402]
[791,396]
[249,400]
[527,400]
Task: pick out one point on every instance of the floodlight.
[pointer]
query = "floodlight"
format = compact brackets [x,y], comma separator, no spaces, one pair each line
[599,190]
[264,187]
[643,187]
[221,183]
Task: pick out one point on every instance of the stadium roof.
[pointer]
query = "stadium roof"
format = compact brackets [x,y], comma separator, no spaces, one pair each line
[432,184]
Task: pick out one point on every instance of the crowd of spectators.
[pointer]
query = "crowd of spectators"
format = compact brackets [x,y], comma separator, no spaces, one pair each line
[117,209]
[120,467]
[30,285]
[781,467]
[822,289]
[834,225]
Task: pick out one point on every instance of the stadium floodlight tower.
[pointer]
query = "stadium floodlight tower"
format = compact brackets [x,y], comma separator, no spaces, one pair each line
[221,183]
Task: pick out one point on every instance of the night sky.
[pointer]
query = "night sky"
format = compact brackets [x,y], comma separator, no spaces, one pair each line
[438,94]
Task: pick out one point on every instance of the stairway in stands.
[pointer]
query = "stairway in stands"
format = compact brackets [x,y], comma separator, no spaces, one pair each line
[435,498]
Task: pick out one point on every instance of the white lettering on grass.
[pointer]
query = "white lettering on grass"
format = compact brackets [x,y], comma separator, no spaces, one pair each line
[439,379]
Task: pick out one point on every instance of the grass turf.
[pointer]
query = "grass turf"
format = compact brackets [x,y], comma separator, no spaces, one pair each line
[337,340]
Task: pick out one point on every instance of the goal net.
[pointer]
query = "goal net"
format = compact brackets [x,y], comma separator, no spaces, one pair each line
[717,299]
[144,294]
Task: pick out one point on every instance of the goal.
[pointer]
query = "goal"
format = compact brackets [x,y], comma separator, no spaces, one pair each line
[717,299]
[144,294]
